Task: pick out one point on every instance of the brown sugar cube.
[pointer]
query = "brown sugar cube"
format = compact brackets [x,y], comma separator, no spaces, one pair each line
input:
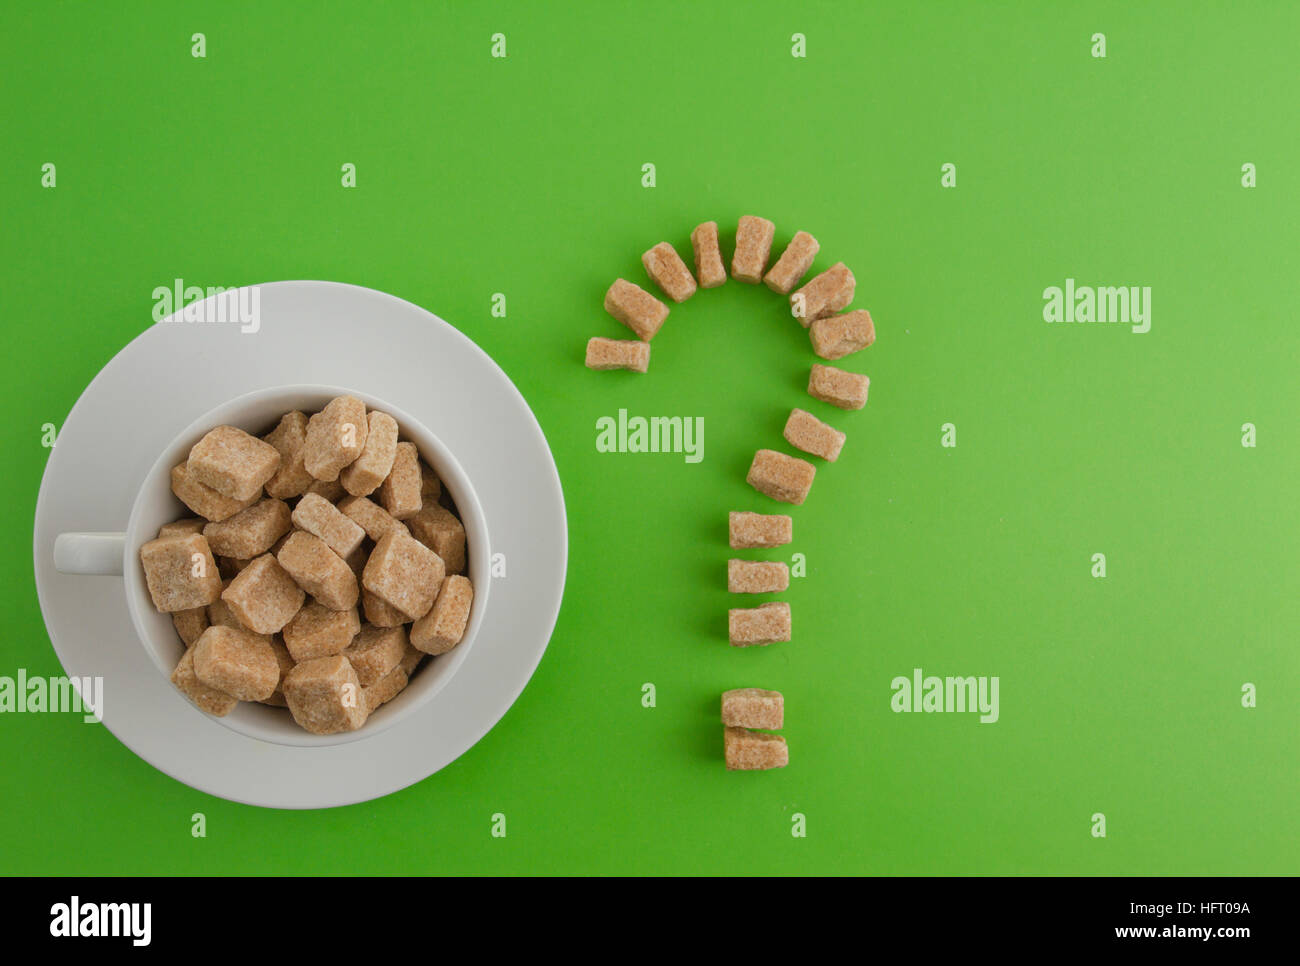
[754,750]
[767,624]
[332,491]
[404,573]
[363,476]
[411,659]
[848,390]
[438,631]
[319,570]
[286,662]
[793,263]
[669,272]
[708,256]
[379,613]
[375,652]
[289,438]
[826,294]
[430,485]
[220,615]
[753,247]
[384,690]
[324,696]
[757,576]
[399,494]
[748,530]
[233,463]
[438,529]
[782,477]
[370,516]
[204,500]
[180,572]
[316,631]
[836,336]
[178,528]
[636,308]
[237,663]
[321,518]
[753,708]
[263,596]
[190,624]
[206,699]
[335,437]
[249,533]
[607,354]
[805,431]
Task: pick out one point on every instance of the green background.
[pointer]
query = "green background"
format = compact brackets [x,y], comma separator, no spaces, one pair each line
[523,176]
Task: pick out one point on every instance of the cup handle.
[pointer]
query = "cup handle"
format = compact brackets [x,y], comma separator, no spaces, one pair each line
[89,553]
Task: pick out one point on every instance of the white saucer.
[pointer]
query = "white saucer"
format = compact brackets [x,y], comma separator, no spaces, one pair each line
[311,332]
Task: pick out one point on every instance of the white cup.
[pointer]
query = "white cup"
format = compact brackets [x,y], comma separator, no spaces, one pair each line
[257,413]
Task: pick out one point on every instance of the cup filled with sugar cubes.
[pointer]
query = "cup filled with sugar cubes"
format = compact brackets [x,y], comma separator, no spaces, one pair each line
[306,564]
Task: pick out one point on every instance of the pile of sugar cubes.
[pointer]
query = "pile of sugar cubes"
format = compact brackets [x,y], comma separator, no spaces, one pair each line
[819,306]
[748,717]
[323,564]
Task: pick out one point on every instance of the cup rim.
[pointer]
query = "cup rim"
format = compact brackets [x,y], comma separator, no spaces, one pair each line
[454,478]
